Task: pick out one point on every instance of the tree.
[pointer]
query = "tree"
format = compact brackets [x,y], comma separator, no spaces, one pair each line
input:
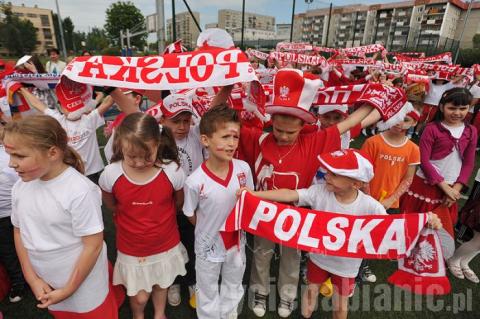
[19,36]
[476,41]
[96,40]
[121,16]
[68,28]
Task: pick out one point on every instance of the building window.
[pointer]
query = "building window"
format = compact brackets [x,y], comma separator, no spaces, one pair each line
[47,34]
[45,20]
[32,15]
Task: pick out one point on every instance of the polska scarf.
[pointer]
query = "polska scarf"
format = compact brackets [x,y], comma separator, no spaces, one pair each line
[205,68]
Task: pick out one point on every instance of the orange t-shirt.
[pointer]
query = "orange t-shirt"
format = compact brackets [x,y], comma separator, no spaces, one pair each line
[390,163]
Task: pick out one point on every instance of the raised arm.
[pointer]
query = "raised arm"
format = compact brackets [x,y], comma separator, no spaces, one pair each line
[358,116]
[124,103]
[278,195]
[32,100]
[222,95]
[105,105]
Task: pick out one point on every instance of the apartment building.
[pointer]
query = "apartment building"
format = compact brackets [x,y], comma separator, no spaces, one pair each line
[415,23]
[42,20]
[471,28]
[256,26]
[283,31]
[185,28]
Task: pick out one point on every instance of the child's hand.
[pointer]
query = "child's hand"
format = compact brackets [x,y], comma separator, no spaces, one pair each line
[240,190]
[450,192]
[433,221]
[387,202]
[53,297]
[40,288]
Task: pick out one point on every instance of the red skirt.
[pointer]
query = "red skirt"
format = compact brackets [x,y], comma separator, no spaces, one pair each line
[107,310]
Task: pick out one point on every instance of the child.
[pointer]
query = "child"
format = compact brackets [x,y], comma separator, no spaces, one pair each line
[346,172]
[209,198]
[395,159]
[447,157]
[81,132]
[177,111]
[57,219]
[8,256]
[143,189]
[468,250]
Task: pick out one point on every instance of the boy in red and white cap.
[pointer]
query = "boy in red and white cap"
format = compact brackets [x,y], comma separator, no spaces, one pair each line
[286,159]
[346,173]
[176,114]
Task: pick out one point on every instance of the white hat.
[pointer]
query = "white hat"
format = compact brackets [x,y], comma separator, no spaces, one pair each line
[340,108]
[175,104]
[349,163]
[214,37]
[23,60]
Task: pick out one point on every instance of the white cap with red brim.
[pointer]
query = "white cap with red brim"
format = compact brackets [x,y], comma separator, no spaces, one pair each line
[175,104]
[349,163]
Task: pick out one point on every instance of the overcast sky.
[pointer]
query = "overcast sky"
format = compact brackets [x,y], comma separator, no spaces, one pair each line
[89,13]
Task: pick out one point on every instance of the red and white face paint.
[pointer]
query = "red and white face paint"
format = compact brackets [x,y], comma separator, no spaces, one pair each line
[224,141]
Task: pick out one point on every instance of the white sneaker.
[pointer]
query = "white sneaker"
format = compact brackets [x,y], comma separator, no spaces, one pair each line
[259,305]
[368,275]
[285,308]
[173,295]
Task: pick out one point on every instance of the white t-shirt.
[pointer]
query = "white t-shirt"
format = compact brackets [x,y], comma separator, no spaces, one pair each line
[190,151]
[435,93]
[8,177]
[52,217]
[82,137]
[55,67]
[319,198]
[212,200]
[475,90]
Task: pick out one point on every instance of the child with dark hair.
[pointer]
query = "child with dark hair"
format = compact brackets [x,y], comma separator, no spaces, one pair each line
[210,195]
[447,158]
[143,187]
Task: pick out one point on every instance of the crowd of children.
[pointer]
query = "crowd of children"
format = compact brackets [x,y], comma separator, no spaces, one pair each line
[172,180]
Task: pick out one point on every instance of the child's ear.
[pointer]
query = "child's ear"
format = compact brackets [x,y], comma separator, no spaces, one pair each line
[204,140]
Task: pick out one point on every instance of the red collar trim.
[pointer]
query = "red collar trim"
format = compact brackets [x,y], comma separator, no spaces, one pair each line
[223,182]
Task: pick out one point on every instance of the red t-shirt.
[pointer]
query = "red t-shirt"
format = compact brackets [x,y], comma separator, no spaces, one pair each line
[146,214]
[289,166]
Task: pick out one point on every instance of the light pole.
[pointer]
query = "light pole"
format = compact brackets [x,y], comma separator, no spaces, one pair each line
[160,26]
[293,17]
[60,25]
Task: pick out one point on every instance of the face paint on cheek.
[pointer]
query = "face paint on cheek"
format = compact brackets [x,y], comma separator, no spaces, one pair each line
[220,148]
[9,146]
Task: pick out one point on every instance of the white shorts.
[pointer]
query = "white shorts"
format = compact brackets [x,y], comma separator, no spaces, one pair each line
[142,273]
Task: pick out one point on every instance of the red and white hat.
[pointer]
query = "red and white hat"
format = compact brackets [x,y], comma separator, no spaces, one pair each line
[215,38]
[339,108]
[128,91]
[349,163]
[293,94]
[414,114]
[175,47]
[175,104]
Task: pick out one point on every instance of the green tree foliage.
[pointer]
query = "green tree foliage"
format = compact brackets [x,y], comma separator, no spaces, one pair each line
[19,36]
[96,40]
[121,16]
[476,41]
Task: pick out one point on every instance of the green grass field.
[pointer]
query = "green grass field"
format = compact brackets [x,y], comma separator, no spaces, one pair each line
[371,301]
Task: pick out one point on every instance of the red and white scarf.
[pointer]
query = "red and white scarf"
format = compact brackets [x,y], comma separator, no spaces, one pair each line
[258,54]
[362,50]
[292,46]
[328,233]
[205,68]
[298,58]
[443,57]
